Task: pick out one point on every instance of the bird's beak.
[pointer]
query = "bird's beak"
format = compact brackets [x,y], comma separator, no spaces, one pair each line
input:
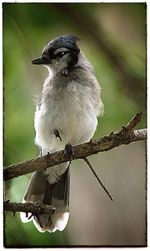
[41,60]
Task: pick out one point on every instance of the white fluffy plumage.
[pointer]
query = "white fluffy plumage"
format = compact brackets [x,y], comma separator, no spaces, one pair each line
[70,104]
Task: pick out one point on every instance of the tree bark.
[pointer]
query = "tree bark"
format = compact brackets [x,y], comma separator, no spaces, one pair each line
[34,208]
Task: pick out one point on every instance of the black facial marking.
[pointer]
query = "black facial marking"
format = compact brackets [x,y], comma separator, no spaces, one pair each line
[73,59]
[67,41]
[60,54]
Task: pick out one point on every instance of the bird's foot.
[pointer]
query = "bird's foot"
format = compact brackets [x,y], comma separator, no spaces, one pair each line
[69,151]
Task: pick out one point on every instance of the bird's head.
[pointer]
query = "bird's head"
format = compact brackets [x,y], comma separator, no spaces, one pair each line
[60,53]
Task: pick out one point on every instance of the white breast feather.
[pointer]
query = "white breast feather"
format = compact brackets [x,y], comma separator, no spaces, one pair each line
[71,113]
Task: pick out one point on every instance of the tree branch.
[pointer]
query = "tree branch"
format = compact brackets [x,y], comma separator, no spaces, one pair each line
[125,136]
[28,207]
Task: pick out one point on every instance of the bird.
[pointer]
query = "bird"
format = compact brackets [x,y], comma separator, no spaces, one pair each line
[66,115]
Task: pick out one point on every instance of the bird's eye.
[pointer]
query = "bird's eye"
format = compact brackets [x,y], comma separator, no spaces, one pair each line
[60,54]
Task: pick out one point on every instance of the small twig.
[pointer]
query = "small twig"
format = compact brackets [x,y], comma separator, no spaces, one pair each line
[96,176]
[133,122]
[28,207]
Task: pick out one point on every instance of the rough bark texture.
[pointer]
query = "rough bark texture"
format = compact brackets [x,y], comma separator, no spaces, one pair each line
[34,208]
[125,136]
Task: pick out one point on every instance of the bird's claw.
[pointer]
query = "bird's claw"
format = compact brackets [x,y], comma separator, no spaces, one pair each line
[69,150]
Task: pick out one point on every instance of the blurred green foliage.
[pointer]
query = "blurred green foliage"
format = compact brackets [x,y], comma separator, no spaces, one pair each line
[113,37]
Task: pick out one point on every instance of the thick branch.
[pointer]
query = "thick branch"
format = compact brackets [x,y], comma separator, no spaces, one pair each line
[34,208]
[125,136]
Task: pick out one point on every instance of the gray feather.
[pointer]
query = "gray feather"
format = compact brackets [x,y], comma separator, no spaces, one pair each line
[36,188]
[56,195]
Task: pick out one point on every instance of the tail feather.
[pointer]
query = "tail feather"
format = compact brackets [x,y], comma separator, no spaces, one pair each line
[56,195]
[36,188]
[61,189]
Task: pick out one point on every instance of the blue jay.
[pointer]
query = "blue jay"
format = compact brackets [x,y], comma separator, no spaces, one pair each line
[66,114]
